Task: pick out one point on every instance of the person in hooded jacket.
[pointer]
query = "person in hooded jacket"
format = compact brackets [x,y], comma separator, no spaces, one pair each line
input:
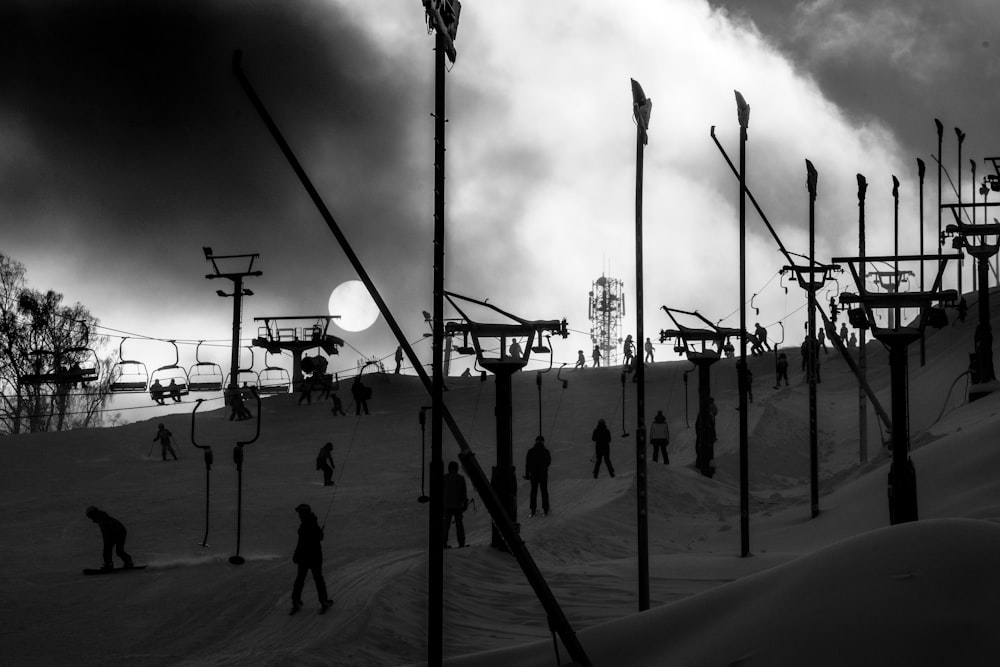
[308,556]
[536,470]
[113,532]
[659,436]
[602,443]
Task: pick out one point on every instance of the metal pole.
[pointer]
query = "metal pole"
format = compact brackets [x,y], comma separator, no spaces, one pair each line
[234,362]
[812,348]
[642,524]
[435,532]
[920,179]
[862,357]
[897,313]
[743,115]
[476,475]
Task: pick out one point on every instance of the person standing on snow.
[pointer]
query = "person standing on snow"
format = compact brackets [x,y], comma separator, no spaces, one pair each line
[308,556]
[361,394]
[536,470]
[324,462]
[166,438]
[781,370]
[602,443]
[114,534]
[659,435]
[456,500]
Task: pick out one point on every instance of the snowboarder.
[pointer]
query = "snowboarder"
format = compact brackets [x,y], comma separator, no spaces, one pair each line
[114,534]
[361,394]
[456,500]
[324,462]
[659,435]
[165,437]
[308,556]
[781,370]
[602,444]
[536,470]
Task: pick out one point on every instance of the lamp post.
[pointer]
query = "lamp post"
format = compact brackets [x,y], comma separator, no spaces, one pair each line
[641,108]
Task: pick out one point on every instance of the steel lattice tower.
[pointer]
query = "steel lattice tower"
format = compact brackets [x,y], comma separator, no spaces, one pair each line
[606,308]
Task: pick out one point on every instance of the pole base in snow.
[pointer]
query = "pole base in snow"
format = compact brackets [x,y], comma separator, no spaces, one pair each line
[237,560]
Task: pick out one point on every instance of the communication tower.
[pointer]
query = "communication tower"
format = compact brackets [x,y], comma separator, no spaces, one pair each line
[606,308]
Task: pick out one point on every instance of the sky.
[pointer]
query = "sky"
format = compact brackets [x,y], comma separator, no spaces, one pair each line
[129,145]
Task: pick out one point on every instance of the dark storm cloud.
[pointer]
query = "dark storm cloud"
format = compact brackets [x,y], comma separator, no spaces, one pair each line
[900,63]
[131,137]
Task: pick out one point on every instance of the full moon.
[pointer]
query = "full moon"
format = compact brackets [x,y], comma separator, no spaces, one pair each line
[352,302]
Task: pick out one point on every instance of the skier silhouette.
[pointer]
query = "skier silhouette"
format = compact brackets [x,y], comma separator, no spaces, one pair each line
[308,556]
[165,437]
[536,470]
[113,532]
[324,462]
[456,500]
[602,448]
[659,435]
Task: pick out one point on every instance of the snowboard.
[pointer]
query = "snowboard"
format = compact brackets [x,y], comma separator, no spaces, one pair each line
[116,570]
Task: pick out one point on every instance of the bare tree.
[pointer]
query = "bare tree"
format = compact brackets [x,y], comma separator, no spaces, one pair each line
[41,341]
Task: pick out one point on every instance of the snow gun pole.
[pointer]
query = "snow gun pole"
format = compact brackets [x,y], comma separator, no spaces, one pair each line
[468,458]
[208,467]
[237,559]
[883,415]
[743,116]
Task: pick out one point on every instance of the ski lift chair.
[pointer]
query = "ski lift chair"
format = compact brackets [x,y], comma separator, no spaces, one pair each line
[273,379]
[204,375]
[128,375]
[170,381]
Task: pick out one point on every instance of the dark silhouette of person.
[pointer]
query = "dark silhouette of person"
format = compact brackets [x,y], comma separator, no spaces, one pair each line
[324,462]
[308,556]
[238,397]
[581,361]
[761,334]
[781,370]
[853,342]
[113,532]
[602,448]
[515,350]
[659,435]
[174,390]
[456,499]
[361,394]
[729,349]
[821,337]
[596,355]
[844,333]
[536,470]
[649,351]
[156,392]
[628,349]
[307,390]
[963,309]
[338,406]
[166,442]
[399,358]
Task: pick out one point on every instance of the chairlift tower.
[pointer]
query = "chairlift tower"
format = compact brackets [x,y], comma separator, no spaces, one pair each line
[606,307]
[695,344]
[274,338]
[503,367]
[981,241]
[238,293]
[902,475]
